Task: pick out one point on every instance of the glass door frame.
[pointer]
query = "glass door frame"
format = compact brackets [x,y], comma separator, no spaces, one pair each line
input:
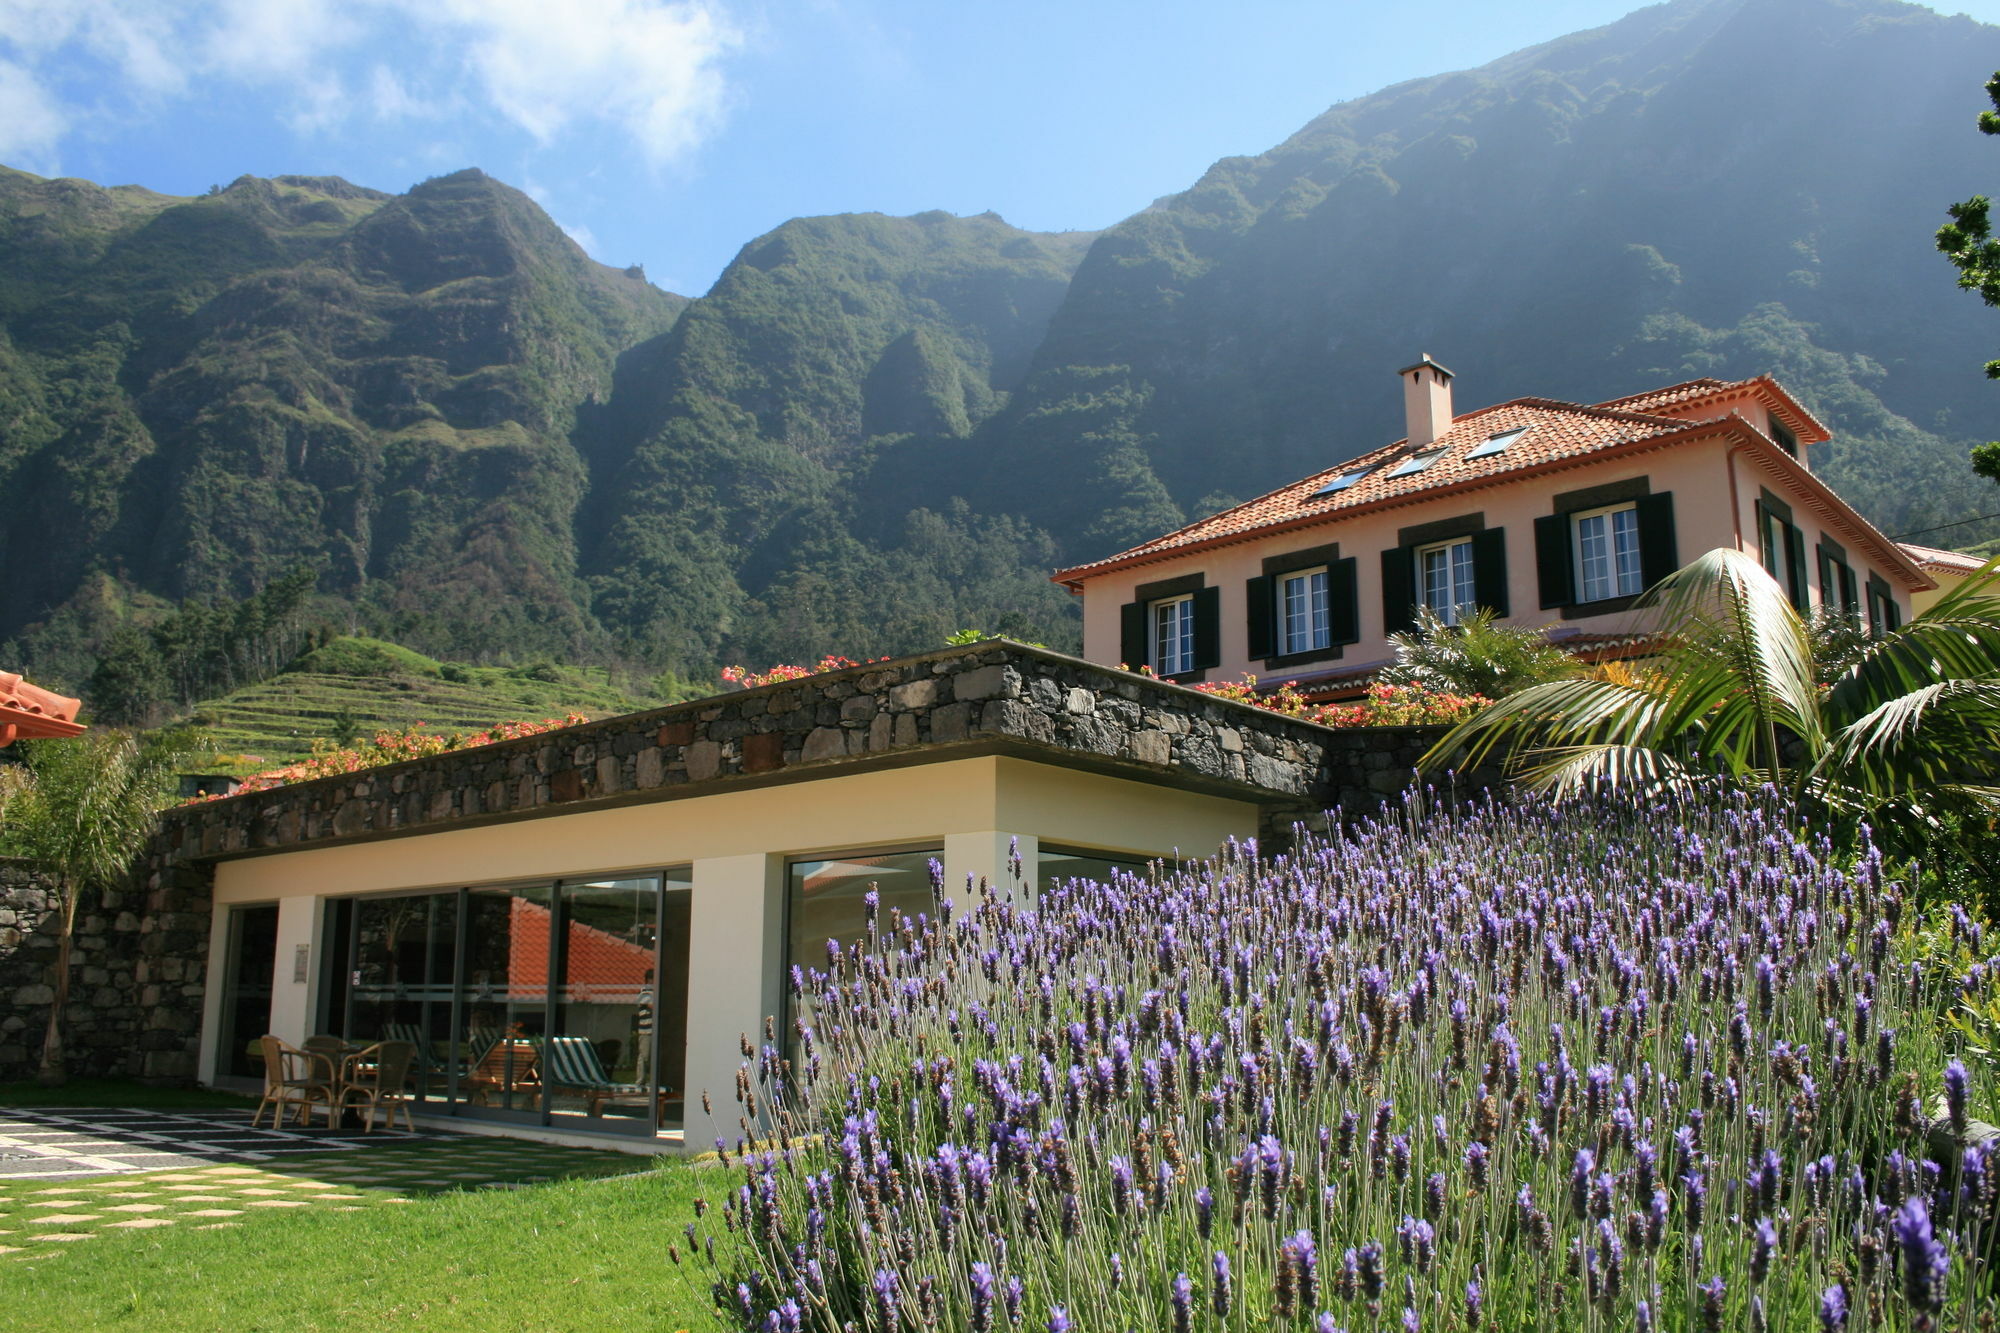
[542,1114]
[226,1034]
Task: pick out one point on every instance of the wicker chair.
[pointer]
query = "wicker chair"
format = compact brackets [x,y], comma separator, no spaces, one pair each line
[293,1077]
[375,1077]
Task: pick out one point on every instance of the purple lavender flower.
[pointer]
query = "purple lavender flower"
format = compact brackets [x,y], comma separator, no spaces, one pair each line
[1955,1096]
[1204,1211]
[1058,1319]
[1475,1299]
[982,1298]
[1011,1295]
[1182,1299]
[884,1284]
[1712,1292]
[1221,1296]
[1763,1245]
[1925,1260]
[1300,1253]
[1579,1182]
[1833,1309]
[1325,1324]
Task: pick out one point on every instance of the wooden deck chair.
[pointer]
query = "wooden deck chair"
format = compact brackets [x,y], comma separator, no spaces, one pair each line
[573,1066]
[511,1065]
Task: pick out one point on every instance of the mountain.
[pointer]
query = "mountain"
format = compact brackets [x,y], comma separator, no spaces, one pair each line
[874,431]
[1721,187]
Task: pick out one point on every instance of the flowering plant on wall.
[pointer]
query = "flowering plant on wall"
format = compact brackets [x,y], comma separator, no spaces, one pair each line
[390,747]
[1381,706]
[750,680]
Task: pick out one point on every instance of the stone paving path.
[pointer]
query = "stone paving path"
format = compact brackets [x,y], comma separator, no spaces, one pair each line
[62,1143]
[40,1218]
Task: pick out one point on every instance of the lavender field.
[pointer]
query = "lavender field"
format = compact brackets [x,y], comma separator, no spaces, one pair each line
[1591,1066]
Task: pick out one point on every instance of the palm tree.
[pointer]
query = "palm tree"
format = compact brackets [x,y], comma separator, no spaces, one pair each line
[1910,720]
[1475,656]
[83,810]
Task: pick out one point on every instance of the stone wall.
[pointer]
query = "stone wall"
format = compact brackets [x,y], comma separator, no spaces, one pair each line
[136,987]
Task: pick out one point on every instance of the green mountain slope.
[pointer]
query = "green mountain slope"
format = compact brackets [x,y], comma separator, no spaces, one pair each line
[205,393]
[1706,187]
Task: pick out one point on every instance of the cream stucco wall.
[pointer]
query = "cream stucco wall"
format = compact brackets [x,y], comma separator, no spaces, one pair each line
[1708,512]
[737,843]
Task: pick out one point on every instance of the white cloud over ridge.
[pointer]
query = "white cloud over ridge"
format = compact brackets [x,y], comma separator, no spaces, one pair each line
[651,71]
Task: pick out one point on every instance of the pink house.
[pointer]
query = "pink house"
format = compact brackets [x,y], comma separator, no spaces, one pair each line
[1553,514]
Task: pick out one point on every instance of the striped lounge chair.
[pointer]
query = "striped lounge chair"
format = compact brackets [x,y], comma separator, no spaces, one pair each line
[571,1065]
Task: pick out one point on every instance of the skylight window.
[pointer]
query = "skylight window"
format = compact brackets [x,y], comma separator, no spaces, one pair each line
[1416,463]
[1496,444]
[1343,481]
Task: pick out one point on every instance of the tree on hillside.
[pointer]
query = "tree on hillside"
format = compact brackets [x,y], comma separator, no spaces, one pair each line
[82,809]
[1909,728]
[1968,242]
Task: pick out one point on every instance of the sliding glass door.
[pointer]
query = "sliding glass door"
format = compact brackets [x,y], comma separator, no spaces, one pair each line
[551,1003]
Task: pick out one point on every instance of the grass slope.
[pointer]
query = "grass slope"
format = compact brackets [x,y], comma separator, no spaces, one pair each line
[382,686]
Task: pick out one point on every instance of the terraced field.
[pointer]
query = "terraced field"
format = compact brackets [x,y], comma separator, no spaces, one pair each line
[277,721]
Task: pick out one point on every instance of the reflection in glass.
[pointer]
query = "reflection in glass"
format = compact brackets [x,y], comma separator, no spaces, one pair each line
[246,992]
[600,1056]
[825,899]
[1053,865]
[504,994]
[399,982]
[671,996]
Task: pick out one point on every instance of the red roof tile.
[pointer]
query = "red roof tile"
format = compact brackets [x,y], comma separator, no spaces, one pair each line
[1937,558]
[27,711]
[1552,431]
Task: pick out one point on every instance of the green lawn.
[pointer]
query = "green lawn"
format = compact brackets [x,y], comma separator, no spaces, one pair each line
[363,1239]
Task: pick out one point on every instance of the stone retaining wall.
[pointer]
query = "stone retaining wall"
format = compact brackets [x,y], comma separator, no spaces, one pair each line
[136,987]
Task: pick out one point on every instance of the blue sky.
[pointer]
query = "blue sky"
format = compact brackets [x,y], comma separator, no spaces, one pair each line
[671,132]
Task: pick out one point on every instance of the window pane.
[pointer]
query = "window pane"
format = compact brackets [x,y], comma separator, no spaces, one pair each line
[1173,636]
[825,899]
[506,994]
[1322,624]
[1054,866]
[598,1062]
[1593,552]
[1462,594]
[1625,538]
[246,990]
[1305,620]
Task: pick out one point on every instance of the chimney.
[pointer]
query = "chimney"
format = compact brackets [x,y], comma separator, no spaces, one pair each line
[1426,401]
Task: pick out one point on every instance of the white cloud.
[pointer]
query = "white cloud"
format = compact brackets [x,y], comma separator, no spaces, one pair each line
[582,235]
[31,125]
[650,70]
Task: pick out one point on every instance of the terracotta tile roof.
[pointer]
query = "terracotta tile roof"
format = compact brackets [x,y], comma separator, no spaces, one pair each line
[1551,431]
[1685,391]
[27,711]
[1937,558]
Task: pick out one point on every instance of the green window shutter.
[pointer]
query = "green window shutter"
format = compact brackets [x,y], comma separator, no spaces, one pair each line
[1850,600]
[1399,590]
[1343,601]
[1489,569]
[1829,587]
[1554,571]
[1795,567]
[1659,553]
[1132,635]
[1258,598]
[1207,628]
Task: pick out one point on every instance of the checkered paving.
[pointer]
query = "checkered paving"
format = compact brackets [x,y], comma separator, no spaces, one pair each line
[66,1143]
[42,1217]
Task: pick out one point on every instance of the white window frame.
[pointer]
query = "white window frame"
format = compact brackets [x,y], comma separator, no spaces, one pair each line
[1621,578]
[1171,647]
[1305,620]
[1461,579]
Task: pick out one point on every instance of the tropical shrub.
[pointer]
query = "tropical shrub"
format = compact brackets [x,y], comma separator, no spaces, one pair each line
[390,747]
[1602,1064]
[1911,728]
[81,809]
[1475,656]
